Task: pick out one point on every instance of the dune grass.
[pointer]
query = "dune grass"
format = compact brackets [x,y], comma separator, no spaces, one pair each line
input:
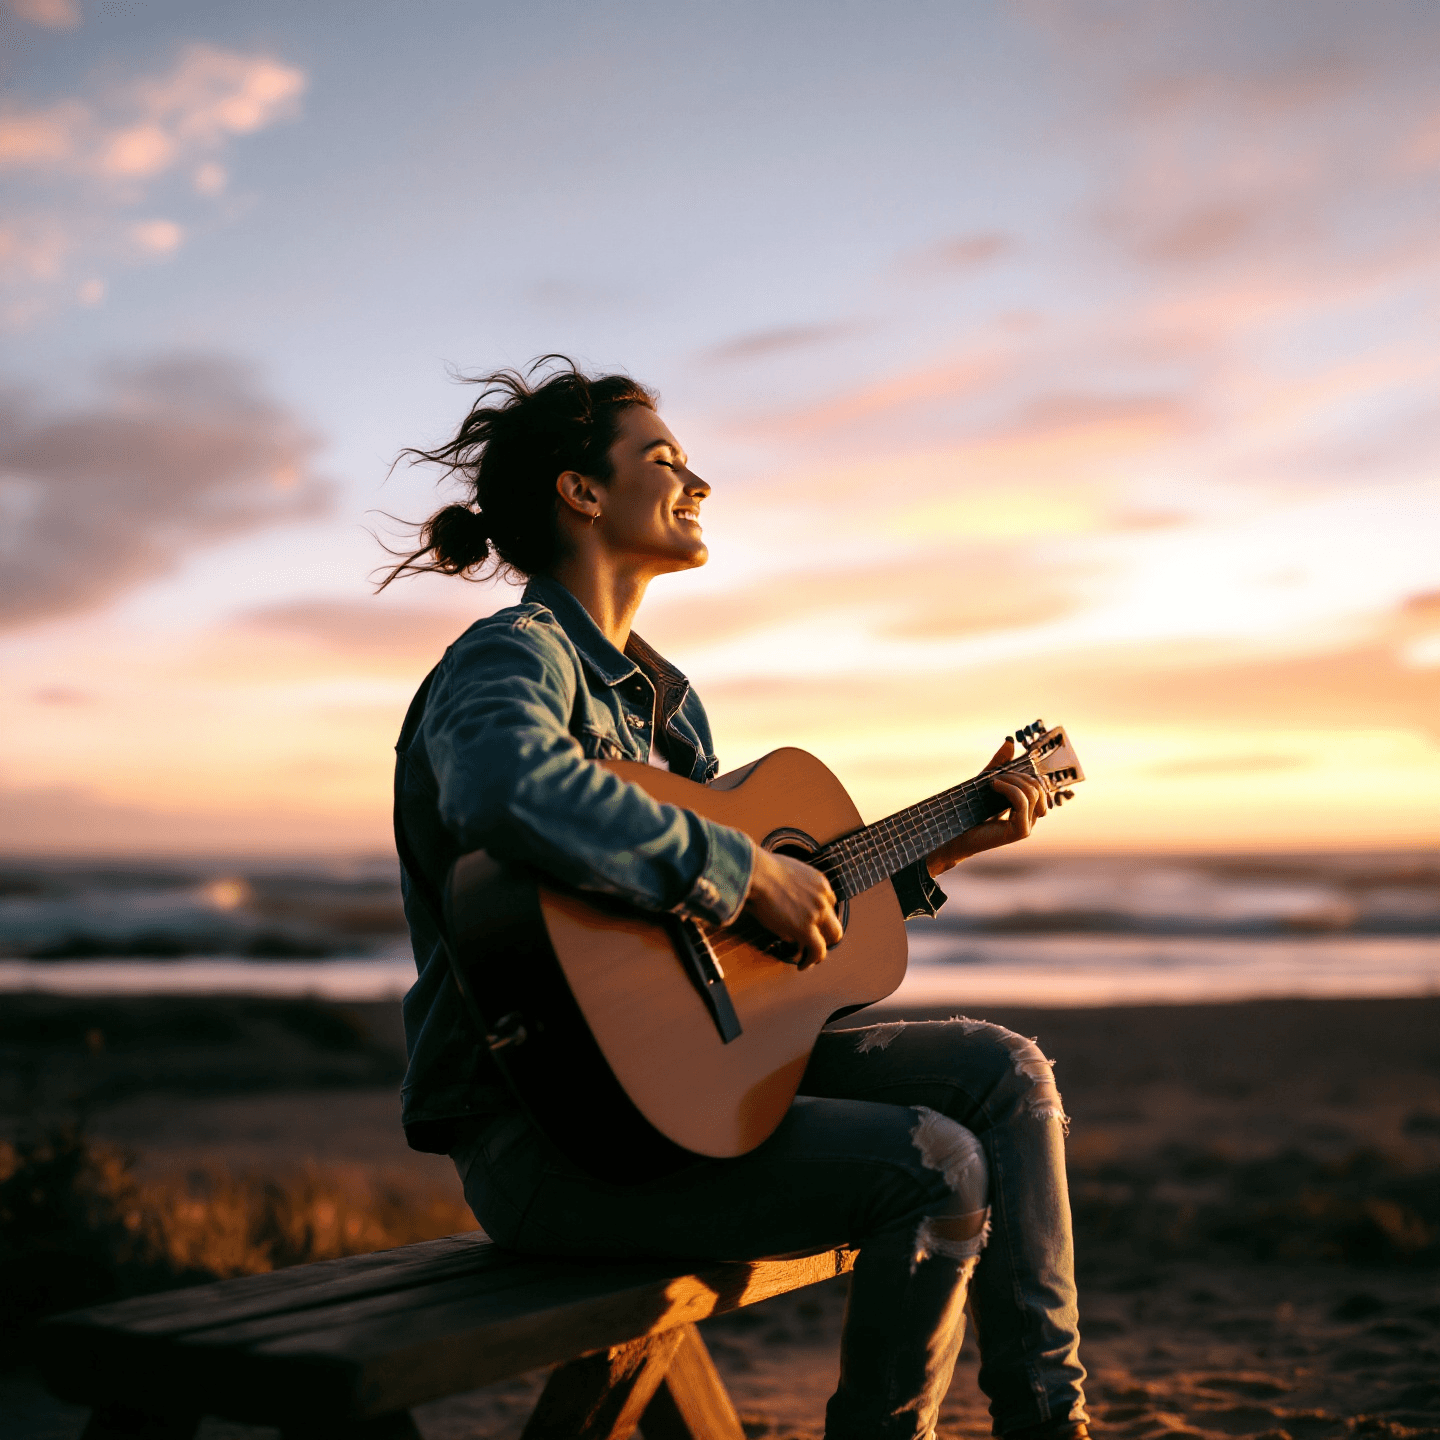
[78,1226]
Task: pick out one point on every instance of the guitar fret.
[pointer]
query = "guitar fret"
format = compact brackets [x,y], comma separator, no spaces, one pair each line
[856,862]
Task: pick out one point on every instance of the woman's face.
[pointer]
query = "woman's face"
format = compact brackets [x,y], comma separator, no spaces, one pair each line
[650,505]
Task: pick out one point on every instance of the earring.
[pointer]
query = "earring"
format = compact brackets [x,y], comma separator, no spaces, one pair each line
[594,517]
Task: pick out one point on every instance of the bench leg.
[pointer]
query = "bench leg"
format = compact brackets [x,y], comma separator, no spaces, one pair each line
[602,1396]
[692,1402]
[120,1422]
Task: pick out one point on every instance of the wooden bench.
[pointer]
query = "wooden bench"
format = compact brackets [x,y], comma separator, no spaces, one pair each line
[345,1348]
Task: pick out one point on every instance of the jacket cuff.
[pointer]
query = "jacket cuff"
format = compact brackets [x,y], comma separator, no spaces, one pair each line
[720,889]
[918,892]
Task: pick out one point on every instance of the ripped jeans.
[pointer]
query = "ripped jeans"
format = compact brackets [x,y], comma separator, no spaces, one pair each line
[878,1151]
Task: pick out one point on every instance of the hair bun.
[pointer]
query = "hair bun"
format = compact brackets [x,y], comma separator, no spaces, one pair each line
[459,538]
[517,438]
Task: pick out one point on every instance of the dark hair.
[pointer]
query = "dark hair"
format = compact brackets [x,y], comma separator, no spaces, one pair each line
[518,437]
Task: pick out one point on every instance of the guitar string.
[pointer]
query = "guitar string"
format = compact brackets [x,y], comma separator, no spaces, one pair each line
[880,841]
[863,858]
[868,855]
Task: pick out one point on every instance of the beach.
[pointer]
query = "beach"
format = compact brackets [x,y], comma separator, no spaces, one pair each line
[1256,1189]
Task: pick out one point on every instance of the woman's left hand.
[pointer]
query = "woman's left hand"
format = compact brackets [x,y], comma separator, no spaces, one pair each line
[1028,802]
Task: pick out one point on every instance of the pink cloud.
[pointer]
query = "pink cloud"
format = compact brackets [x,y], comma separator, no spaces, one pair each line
[91,158]
[887,398]
[959,255]
[47,137]
[182,452]
[211,94]
[781,340]
[49,14]
[208,97]
[370,636]
[157,237]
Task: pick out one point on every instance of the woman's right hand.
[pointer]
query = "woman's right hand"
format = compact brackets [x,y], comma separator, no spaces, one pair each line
[794,901]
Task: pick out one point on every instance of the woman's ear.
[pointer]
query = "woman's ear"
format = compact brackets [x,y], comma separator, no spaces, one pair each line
[579,492]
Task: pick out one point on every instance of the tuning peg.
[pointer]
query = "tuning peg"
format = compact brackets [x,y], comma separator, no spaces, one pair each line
[1038,727]
[1068,794]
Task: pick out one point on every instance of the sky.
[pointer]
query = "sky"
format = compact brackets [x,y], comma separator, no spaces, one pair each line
[1065,360]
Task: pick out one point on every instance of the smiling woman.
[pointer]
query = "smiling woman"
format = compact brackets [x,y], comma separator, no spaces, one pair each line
[900,1134]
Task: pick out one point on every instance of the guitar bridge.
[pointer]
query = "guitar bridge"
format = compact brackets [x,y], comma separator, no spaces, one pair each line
[692,946]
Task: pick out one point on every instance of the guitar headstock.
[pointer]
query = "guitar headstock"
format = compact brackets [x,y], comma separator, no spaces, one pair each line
[1052,758]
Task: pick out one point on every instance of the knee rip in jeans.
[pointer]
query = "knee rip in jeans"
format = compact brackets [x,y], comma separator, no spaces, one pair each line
[877,1037]
[1044,1101]
[1026,1056]
[959,1228]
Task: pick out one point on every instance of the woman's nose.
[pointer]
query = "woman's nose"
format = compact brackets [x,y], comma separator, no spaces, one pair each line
[694,485]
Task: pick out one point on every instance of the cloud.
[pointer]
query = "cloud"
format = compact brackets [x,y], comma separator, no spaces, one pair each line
[991,414]
[207,97]
[157,237]
[80,164]
[887,400]
[1255,763]
[49,14]
[959,255]
[1202,234]
[959,591]
[178,453]
[1294,88]
[369,635]
[33,248]
[783,339]
[42,138]
[61,695]
[80,820]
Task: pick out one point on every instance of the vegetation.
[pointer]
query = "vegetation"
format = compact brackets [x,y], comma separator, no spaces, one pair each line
[77,1226]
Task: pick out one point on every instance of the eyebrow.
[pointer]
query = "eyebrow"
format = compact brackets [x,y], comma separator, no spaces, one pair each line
[668,445]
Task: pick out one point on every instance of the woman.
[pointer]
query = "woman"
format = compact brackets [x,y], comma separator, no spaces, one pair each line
[936,1148]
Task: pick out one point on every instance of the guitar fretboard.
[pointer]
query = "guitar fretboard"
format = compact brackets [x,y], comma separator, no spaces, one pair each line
[865,857]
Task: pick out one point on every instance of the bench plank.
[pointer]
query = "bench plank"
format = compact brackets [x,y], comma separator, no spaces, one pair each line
[402,1359]
[356,1351]
[322,1282]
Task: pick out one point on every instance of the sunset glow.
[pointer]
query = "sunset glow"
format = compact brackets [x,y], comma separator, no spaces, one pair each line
[1036,374]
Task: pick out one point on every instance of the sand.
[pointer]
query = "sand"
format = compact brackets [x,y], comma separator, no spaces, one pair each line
[1256,1190]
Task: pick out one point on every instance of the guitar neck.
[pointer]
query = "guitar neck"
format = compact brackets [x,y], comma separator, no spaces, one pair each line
[864,858]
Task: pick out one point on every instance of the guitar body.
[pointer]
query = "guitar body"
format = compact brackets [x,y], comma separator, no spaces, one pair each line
[622,1064]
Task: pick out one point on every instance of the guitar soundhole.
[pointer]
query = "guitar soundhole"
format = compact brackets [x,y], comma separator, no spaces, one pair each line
[799,846]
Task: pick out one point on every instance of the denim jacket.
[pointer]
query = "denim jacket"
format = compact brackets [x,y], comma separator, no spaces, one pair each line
[502,759]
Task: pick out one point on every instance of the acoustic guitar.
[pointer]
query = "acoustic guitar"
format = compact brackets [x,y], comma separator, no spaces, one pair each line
[638,1041]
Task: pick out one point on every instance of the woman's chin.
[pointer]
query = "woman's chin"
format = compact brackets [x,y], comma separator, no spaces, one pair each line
[678,553]
[689,553]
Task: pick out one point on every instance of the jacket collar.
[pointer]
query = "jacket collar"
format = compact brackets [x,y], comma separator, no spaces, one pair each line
[596,652]
[654,663]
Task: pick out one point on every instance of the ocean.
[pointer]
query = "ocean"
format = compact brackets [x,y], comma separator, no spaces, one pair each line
[1057,931]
